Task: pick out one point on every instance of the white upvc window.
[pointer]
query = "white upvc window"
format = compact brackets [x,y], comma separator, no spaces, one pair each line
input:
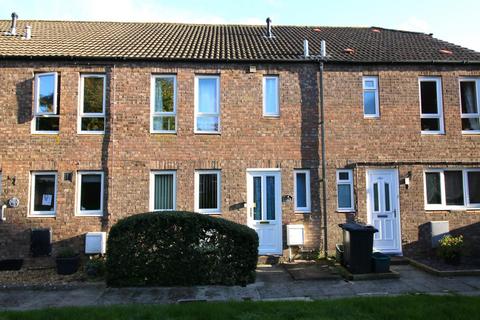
[43,194]
[207,104]
[470,105]
[90,193]
[345,202]
[271,96]
[208,191]
[163,104]
[431,105]
[163,190]
[371,105]
[452,189]
[91,119]
[301,185]
[46,118]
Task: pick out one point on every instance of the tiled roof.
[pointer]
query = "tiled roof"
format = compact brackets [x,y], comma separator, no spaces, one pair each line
[174,41]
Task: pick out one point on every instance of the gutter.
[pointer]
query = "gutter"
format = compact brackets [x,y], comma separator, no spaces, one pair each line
[262,60]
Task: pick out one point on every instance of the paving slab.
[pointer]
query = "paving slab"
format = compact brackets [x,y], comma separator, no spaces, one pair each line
[273,283]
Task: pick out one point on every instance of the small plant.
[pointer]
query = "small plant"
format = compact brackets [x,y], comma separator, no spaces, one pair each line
[95,267]
[66,253]
[450,248]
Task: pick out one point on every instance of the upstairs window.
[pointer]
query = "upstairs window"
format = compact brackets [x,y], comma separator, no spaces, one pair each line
[431,113]
[345,191]
[92,104]
[207,104]
[370,97]
[452,189]
[271,106]
[470,111]
[46,111]
[163,104]
[302,190]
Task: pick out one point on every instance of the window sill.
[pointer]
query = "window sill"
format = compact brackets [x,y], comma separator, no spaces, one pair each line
[302,211]
[452,209]
[91,133]
[470,132]
[163,132]
[432,133]
[89,214]
[346,211]
[44,215]
[210,213]
[273,117]
[214,133]
[45,133]
[376,117]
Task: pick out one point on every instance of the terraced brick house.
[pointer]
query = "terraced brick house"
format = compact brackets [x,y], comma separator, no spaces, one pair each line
[101,120]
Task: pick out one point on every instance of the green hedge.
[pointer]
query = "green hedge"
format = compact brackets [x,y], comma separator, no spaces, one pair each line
[180,248]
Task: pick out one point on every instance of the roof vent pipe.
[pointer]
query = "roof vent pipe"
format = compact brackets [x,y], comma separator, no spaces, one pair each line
[306,53]
[13,27]
[269,28]
[28,33]
[323,49]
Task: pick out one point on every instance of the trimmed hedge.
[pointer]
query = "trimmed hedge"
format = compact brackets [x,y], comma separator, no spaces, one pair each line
[180,248]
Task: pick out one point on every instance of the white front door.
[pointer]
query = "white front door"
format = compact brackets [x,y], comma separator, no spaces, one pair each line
[383,209]
[264,209]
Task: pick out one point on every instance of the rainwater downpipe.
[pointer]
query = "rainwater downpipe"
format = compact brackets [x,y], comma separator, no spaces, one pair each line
[321,61]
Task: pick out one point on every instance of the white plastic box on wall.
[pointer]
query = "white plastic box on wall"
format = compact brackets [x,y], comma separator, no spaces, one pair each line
[95,242]
[295,235]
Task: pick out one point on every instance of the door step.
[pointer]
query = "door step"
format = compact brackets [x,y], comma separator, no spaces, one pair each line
[270,259]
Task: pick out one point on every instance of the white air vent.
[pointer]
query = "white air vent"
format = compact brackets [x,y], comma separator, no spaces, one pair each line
[295,235]
[95,242]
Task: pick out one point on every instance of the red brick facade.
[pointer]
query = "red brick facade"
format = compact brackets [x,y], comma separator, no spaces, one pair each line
[128,152]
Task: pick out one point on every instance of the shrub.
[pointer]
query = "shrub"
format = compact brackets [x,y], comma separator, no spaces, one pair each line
[95,267]
[450,247]
[66,253]
[180,248]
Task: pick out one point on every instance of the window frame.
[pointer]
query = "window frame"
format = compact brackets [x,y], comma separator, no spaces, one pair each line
[154,113]
[308,208]
[345,182]
[376,90]
[89,213]
[154,173]
[218,209]
[439,115]
[42,214]
[477,92]
[198,114]
[36,95]
[443,205]
[264,100]
[82,114]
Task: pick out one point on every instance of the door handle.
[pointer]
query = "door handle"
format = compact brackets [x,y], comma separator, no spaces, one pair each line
[382,216]
[395,213]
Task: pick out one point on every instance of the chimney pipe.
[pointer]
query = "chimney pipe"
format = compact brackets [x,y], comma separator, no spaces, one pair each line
[28,33]
[269,28]
[306,53]
[13,27]
[323,49]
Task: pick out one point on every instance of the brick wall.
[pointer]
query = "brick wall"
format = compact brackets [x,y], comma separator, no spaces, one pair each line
[128,151]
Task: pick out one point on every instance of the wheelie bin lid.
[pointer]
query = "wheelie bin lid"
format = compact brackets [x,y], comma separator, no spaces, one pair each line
[357,227]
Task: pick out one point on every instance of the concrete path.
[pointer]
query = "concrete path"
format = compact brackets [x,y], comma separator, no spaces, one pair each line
[273,283]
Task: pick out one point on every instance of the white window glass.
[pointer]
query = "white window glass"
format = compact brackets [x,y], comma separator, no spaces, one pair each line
[431,113]
[370,97]
[46,119]
[207,105]
[470,111]
[43,193]
[302,190]
[90,193]
[207,191]
[163,104]
[345,190]
[270,96]
[92,104]
[163,191]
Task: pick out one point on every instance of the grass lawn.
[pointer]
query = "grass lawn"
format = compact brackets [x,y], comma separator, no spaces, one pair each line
[403,307]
